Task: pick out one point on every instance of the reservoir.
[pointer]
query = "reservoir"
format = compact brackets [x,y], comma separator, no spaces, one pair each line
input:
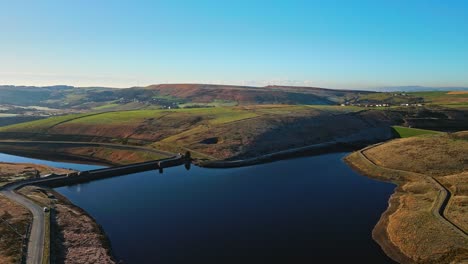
[303,210]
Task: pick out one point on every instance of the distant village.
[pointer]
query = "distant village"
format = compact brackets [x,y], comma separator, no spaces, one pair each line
[395,99]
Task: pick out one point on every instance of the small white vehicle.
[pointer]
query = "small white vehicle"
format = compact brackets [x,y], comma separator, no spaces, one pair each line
[46,209]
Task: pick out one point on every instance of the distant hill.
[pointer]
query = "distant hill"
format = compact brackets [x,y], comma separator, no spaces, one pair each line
[206,93]
[416,88]
[169,95]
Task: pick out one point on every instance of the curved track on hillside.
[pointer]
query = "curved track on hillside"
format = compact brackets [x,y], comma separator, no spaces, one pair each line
[442,199]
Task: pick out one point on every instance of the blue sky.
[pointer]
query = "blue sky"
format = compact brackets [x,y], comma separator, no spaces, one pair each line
[337,44]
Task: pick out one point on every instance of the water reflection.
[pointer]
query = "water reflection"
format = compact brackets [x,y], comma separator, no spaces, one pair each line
[278,212]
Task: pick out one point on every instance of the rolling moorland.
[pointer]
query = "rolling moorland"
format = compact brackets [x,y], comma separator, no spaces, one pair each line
[22,103]
[426,218]
[220,124]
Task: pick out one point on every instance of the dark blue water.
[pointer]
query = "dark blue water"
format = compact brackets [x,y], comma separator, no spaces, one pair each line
[304,210]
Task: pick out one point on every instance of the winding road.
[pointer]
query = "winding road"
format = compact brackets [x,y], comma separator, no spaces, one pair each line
[37,235]
[442,200]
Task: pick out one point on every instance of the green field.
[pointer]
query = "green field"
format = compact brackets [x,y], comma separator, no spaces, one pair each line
[404,132]
[106,106]
[214,115]
[41,125]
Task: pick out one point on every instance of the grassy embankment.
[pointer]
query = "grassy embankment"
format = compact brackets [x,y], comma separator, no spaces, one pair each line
[410,231]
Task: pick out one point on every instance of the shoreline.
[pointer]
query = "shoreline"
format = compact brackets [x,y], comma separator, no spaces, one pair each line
[106,242]
[379,232]
[390,232]
[58,243]
[312,150]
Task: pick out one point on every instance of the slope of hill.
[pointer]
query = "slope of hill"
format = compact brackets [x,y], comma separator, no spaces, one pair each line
[204,93]
[218,133]
[232,132]
[452,99]
[416,88]
[168,95]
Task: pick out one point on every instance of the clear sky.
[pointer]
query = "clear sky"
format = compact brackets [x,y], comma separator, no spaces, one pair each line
[338,44]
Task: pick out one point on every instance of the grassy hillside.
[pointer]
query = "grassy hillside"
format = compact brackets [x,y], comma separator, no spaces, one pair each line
[196,95]
[455,99]
[204,93]
[219,133]
[235,132]
[168,95]
[394,99]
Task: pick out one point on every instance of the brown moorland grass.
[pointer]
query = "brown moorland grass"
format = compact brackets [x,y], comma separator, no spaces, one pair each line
[10,172]
[220,133]
[230,132]
[114,156]
[430,155]
[409,231]
[457,208]
[76,237]
[14,221]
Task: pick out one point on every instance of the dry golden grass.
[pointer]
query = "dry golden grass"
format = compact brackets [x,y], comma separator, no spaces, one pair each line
[13,223]
[410,231]
[430,155]
[240,132]
[115,156]
[457,209]
[10,172]
[77,238]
